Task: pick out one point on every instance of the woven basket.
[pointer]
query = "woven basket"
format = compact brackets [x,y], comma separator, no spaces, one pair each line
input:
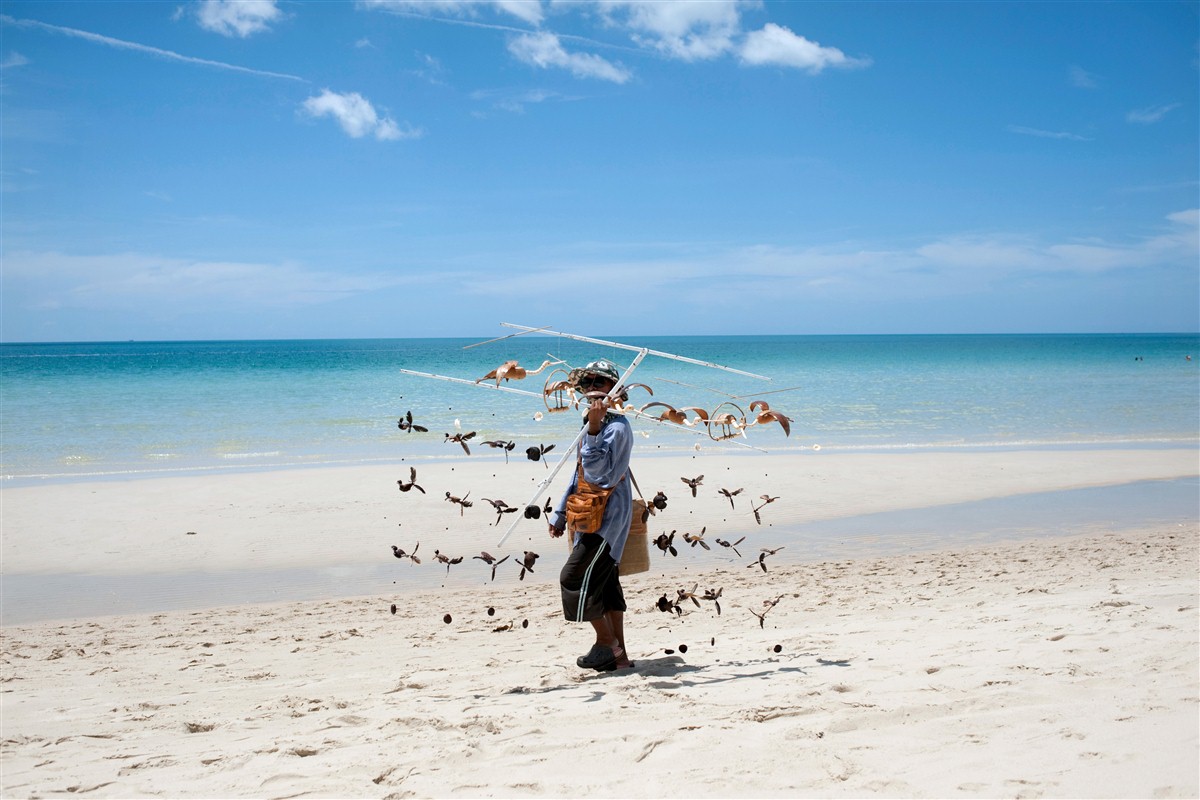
[636,557]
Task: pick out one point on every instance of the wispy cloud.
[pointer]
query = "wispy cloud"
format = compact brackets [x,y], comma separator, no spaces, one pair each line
[529,11]
[1150,115]
[237,17]
[1024,131]
[13,59]
[516,101]
[942,266]
[136,281]
[431,69]
[545,50]
[357,117]
[700,280]
[1080,78]
[121,44]
[1160,187]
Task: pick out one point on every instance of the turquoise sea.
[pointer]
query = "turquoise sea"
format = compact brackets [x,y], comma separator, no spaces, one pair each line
[76,411]
[130,410]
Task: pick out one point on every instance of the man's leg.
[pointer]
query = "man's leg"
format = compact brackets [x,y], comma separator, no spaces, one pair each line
[604,631]
[616,620]
[616,623]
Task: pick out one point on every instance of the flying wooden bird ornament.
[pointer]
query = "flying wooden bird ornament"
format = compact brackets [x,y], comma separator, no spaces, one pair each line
[696,539]
[769,605]
[678,416]
[461,502]
[501,444]
[512,371]
[501,507]
[730,493]
[488,558]
[398,553]
[732,545]
[664,542]
[527,561]
[412,483]
[765,415]
[406,424]
[462,439]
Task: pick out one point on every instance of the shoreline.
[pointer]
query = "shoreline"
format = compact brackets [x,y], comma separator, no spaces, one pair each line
[178,542]
[243,465]
[1037,668]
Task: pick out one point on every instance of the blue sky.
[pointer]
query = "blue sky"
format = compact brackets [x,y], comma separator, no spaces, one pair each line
[271,169]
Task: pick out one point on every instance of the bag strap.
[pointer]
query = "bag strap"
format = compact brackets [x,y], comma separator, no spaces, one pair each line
[581,479]
[635,485]
[599,489]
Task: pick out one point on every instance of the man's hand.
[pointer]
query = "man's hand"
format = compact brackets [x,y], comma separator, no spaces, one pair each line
[555,532]
[595,415]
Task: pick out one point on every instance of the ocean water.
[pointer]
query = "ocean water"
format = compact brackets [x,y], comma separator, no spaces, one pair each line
[82,411]
[121,411]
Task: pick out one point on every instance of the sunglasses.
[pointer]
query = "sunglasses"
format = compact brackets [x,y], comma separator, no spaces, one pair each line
[593,381]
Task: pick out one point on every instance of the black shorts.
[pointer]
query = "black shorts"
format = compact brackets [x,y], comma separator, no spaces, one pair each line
[589,580]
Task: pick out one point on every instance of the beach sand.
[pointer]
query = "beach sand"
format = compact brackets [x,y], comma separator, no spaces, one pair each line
[342,516]
[1052,664]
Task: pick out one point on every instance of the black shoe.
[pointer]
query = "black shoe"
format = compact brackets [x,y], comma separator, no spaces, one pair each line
[599,658]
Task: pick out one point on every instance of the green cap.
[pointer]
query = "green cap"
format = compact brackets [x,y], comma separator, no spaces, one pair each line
[605,369]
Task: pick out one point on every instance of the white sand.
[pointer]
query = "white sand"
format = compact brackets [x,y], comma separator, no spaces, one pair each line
[1053,668]
[1049,666]
[306,517]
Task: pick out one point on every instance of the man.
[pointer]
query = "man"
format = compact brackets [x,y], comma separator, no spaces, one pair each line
[591,587]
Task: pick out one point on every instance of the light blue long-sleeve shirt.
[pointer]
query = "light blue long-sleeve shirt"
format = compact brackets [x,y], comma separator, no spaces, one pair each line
[605,459]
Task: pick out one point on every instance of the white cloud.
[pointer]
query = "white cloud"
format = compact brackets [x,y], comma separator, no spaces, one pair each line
[690,30]
[544,50]
[528,10]
[1024,131]
[775,44]
[357,116]
[14,59]
[238,17]
[686,30]
[1151,115]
